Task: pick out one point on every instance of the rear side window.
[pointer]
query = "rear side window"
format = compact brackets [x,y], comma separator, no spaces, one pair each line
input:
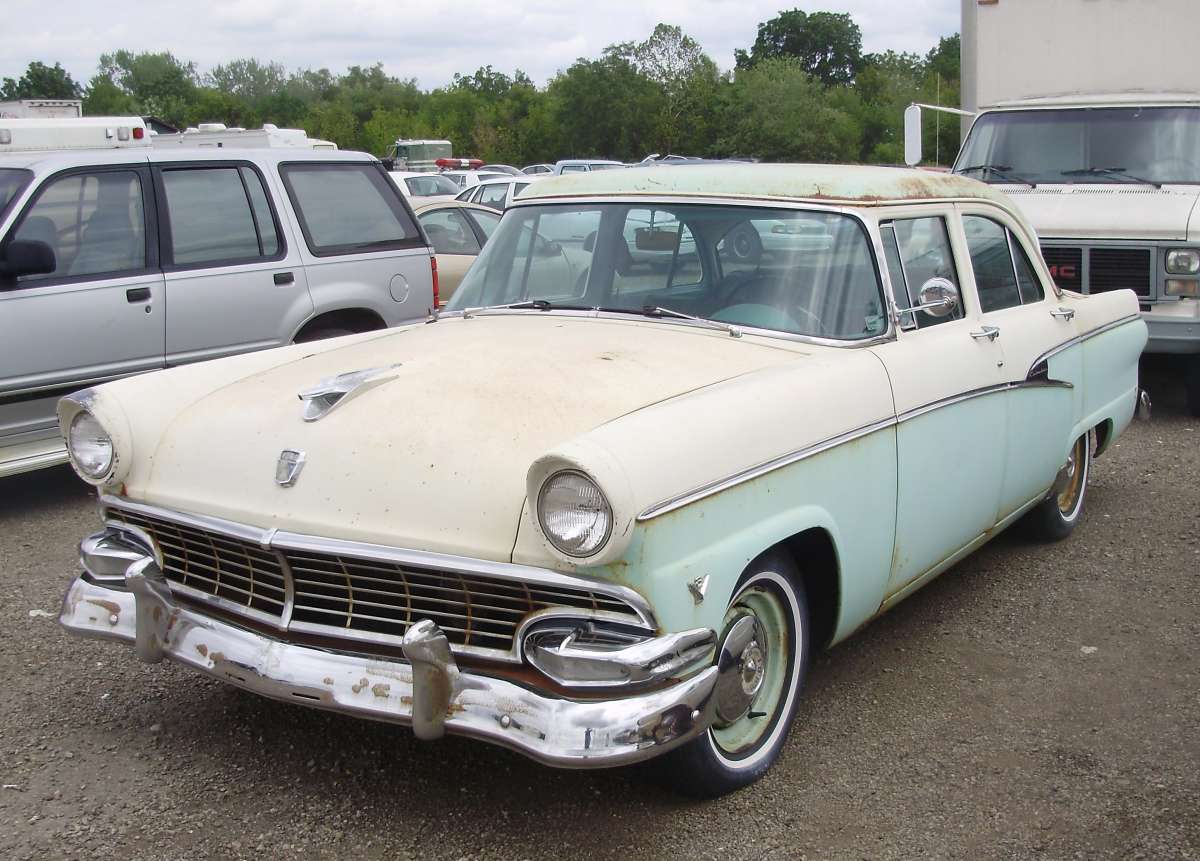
[449,232]
[348,208]
[94,222]
[218,214]
[494,195]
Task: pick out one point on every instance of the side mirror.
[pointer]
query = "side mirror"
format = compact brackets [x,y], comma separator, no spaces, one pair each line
[938,297]
[27,257]
[912,135]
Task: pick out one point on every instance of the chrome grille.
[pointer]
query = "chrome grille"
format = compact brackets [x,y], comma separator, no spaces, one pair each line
[238,571]
[359,598]
[385,598]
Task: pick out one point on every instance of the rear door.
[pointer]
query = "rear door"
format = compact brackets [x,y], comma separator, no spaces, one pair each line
[362,247]
[99,315]
[233,283]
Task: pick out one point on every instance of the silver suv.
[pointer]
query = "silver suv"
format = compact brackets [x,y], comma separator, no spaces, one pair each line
[114,262]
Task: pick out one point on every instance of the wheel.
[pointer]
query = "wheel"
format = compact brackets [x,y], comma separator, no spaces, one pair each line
[1191,384]
[763,654]
[744,244]
[1055,517]
[320,334]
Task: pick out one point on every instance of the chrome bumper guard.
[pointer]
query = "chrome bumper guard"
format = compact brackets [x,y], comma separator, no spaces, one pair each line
[429,692]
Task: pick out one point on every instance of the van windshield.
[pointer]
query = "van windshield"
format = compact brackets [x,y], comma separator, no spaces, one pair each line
[801,272]
[1131,145]
[12,180]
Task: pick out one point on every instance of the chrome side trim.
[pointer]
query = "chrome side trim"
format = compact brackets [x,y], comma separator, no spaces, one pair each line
[1078,339]
[798,455]
[761,469]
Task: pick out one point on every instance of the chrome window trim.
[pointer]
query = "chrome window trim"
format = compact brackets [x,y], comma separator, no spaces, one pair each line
[753,472]
[279,541]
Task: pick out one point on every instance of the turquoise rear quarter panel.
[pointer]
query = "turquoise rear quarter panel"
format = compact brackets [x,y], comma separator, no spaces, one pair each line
[849,491]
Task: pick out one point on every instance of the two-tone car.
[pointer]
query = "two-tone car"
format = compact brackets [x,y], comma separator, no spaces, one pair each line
[609,516]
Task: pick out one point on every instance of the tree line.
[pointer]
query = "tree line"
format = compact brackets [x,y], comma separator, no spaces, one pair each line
[803,91]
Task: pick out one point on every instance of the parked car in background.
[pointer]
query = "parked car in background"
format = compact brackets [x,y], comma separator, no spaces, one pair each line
[457,231]
[114,262]
[495,193]
[604,518]
[469,178]
[585,165]
[537,169]
[502,168]
[424,187]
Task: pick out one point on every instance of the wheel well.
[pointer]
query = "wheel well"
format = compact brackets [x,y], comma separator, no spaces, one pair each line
[816,560]
[354,319]
[1103,437]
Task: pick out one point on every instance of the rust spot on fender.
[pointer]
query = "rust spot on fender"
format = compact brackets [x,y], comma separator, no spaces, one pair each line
[360,685]
[327,680]
[381,690]
[156,613]
[202,649]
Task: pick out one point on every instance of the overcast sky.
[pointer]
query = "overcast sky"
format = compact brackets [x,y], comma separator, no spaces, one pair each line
[429,41]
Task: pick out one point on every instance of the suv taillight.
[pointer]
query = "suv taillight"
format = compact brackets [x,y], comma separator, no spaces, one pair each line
[437,297]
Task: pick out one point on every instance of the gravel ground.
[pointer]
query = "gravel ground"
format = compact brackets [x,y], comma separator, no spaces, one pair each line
[1034,702]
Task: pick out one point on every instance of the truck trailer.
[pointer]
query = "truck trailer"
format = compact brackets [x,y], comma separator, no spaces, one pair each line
[1087,112]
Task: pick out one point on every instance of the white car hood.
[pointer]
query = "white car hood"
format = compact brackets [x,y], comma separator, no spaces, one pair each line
[435,457]
[1108,211]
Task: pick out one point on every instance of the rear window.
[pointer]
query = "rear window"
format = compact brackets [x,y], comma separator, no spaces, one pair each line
[348,208]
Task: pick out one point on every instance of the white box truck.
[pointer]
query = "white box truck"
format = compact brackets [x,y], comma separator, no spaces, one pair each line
[57,109]
[1088,113]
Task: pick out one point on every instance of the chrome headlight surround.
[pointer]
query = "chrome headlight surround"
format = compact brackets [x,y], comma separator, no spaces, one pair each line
[1183,261]
[90,447]
[571,495]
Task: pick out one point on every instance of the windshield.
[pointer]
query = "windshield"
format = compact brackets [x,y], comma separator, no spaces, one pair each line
[1159,145]
[801,272]
[12,181]
[426,186]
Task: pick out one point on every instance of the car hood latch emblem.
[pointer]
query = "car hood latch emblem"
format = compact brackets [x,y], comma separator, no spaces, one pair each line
[287,469]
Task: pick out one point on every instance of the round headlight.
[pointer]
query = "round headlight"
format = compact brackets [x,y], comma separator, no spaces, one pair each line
[90,447]
[1183,261]
[574,514]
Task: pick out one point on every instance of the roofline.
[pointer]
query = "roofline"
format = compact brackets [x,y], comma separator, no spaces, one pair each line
[742,199]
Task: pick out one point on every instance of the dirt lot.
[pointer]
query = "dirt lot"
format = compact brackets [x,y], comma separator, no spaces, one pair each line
[1034,702]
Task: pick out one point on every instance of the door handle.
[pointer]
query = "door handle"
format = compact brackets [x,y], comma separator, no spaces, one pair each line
[989,332]
[137,294]
[1064,313]
[282,278]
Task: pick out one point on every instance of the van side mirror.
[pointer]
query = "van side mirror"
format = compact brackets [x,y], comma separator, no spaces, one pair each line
[912,135]
[26,257]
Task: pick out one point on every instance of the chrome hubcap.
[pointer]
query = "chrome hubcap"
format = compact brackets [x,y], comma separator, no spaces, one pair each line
[753,669]
[742,668]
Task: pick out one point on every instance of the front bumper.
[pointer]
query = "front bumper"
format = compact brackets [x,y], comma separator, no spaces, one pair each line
[428,692]
[1173,332]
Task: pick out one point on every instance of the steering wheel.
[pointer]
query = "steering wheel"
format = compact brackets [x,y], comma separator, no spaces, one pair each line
[757,281]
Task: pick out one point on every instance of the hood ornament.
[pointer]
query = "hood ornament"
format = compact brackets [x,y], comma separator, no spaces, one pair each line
[287,468]
[321,399]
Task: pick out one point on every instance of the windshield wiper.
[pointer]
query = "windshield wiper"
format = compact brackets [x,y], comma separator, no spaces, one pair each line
[657,311]
[1119,172]
[1000,170]
[536,304]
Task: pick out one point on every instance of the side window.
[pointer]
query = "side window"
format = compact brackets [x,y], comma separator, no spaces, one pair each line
[217,214]
[487,222]
[493,195]
[995,278]
[94,222]
[449,232]
[348,208]
[519,187]
[1027,279]
[920,250]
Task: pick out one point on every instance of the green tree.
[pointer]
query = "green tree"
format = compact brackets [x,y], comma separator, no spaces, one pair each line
[776,112]
[248,78]
[157,83]
[604,107]
[887,84]
[41,82]
[687,79]
[103,98]
[333,122]
[827,45]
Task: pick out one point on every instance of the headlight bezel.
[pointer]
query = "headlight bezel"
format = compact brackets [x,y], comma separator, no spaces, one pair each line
[556,541]
[107,467]
[1174,255]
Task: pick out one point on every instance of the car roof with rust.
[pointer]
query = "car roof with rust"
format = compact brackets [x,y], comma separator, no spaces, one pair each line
[855,185]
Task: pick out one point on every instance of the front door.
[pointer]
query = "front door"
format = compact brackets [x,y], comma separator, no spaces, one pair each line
[947,377]
[98,315]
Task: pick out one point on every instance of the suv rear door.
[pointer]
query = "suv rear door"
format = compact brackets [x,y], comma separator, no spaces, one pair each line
[363,248]
[233,282]
[99,315]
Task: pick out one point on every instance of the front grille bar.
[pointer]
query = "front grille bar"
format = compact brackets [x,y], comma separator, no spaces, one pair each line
[331,587]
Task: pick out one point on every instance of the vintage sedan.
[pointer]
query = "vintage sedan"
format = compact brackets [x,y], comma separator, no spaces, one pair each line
[607,517]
